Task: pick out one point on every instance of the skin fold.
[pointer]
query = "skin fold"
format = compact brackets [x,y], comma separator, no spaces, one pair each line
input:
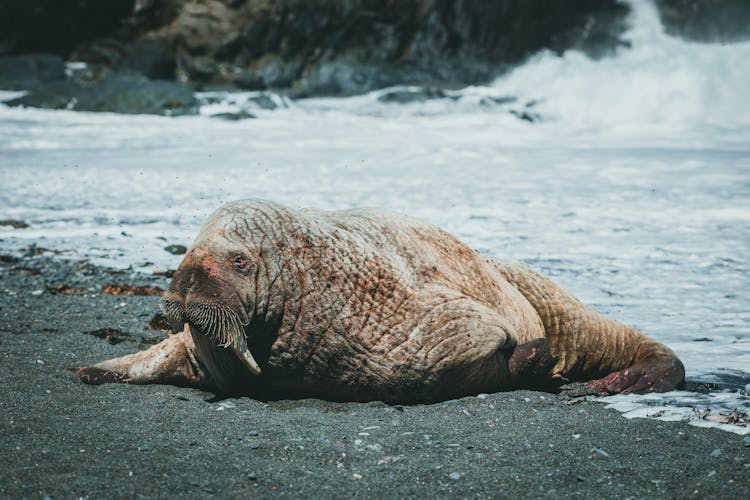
[362,305]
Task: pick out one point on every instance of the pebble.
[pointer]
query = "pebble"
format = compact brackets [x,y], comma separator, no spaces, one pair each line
[176,249]
[711,473]
[37,292]
[715,453]
[252,476]
[746,441]
[356,476]
[254,446]
[455,476]
[601,452]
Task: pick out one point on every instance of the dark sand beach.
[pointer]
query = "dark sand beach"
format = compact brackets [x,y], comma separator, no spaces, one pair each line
[63,439]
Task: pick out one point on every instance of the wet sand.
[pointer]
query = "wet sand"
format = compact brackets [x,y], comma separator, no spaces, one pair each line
[62,439]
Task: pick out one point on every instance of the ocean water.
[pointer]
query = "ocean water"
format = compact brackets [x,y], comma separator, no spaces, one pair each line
[627,180]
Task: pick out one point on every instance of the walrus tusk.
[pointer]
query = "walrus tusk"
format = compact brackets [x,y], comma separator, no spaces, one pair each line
[240,350]
[239,346]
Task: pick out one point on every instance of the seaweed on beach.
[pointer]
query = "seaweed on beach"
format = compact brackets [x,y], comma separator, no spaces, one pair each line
[122,289]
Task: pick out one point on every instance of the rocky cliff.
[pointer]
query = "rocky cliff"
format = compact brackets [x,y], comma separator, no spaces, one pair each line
[322,47]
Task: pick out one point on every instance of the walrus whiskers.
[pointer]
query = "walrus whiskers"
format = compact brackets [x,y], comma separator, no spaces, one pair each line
[217,321]
[173,312]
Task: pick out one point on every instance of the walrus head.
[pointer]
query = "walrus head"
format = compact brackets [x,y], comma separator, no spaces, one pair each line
[212,293]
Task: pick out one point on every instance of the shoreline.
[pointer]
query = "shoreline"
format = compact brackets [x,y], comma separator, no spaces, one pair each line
[69,439]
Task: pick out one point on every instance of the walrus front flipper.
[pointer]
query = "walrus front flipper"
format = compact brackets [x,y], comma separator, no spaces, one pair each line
[609,356]
[172,361]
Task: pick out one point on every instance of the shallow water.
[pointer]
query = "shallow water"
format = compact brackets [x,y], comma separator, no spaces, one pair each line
[631,188]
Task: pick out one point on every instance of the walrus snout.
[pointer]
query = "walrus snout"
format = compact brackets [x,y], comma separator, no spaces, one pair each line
[212,305]
[200,300]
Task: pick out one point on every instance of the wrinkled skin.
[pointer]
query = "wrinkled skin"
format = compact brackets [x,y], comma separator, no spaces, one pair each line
[367,305]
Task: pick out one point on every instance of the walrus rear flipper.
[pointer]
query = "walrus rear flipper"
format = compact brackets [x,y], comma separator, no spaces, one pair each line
[172,361]
[608,355]
[652,371]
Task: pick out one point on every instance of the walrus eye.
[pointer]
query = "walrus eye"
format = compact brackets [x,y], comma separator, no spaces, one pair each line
[240,263]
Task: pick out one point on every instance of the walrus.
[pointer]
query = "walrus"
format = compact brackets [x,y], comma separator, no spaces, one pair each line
[363,304]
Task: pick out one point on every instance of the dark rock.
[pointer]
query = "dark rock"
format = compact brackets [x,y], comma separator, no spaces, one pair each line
[147,57]
[58,95]
[196,68]
[414,95]
[525,115]
[720,21]
[277,73]
[176,249]
[118,93]
[150,58]
[240,115]
[343,77]
[249,80]
[58,25]
[29,71]
[263,101]
[15,224]
[103,52]
[496,101]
